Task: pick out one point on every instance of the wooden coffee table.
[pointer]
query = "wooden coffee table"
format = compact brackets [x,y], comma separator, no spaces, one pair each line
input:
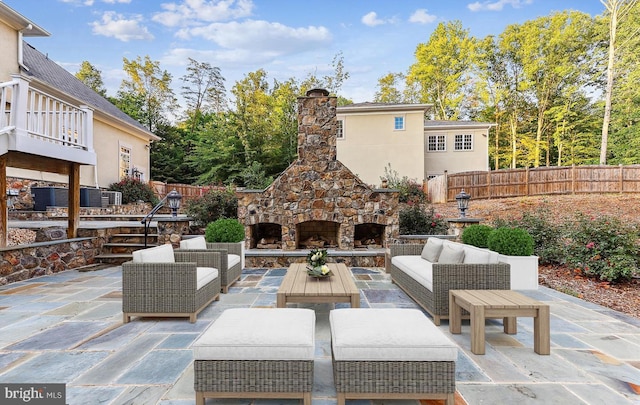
[505,304]
[298,287]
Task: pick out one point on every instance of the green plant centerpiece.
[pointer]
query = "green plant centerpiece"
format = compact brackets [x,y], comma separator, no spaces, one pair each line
[228,230]
[317,264]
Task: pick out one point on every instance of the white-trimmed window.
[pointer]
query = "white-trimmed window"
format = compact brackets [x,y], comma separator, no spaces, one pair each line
[124,162]
[340,130]
[436,143]
[463,142]
[398,123]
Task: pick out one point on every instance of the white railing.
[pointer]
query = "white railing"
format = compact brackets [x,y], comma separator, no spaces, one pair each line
[44,116]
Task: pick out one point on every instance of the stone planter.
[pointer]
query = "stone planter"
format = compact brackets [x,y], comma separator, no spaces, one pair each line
[524,271]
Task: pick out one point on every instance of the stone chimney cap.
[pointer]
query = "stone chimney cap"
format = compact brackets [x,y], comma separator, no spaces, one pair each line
[317,92]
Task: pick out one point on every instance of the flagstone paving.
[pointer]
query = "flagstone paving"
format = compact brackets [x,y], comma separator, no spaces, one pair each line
[67,328]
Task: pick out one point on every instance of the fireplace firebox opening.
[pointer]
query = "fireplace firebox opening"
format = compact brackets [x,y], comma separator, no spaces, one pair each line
[266,236]
[317,234]
[368,236]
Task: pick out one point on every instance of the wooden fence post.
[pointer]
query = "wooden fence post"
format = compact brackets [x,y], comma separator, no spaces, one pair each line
[526,180]
[621,186]
[573,178]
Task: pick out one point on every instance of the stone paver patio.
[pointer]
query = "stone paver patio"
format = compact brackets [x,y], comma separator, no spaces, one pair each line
[67,328]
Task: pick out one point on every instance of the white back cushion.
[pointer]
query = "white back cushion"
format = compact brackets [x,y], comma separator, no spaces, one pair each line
[476,256]
[432,249]
[451,254]
[197,243]
[158,254]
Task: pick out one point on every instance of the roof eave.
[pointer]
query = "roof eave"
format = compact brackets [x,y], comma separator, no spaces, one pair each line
[21,23]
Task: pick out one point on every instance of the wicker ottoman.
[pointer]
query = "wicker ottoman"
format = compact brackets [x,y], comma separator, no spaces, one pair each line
[256,353]
[390,353]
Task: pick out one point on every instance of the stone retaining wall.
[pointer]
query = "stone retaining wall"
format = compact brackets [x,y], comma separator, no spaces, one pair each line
[18,263]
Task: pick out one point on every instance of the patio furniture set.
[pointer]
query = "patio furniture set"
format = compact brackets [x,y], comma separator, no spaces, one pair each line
[269,352]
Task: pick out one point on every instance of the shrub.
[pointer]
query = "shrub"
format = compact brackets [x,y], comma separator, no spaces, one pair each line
[603,248]
[211,206]
[476,235]
[134,190]
[547,234]
[510,241]
[415,220]
[224,230]
[409,191]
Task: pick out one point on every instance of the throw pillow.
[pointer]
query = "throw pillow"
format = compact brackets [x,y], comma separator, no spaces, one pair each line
[432,250]
[451,255]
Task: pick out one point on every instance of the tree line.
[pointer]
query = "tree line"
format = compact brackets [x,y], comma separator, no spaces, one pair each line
[561,88]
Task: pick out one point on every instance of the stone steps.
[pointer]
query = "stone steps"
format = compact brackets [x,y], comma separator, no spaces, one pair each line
[121,245]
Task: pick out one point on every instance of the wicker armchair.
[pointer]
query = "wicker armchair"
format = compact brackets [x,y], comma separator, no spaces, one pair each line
[162,283]
[231,258]
[462,276]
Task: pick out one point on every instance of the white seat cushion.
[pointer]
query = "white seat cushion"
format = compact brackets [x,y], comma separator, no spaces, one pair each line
[417,268]
[387,334]
[197,243]
[259,334]
[232,260]
[205,275]
[157,254]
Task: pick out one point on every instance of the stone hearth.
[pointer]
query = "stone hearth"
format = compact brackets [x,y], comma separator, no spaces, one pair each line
[317,201]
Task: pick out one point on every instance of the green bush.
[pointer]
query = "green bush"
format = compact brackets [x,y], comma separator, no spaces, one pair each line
[547,234]
[510,241]
[224,230]
[211,206]
[409,191]
[134,190]
[476,235]
[415,220]
[603,248]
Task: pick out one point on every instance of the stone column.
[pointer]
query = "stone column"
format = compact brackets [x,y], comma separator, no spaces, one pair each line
[170,230]
[457,225]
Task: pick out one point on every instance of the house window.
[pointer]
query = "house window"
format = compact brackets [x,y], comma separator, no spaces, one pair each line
[398,123]
[124,162]
[436,143]
[340,130]
[463,142]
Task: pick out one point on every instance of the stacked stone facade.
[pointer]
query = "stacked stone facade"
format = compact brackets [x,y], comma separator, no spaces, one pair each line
[318,187]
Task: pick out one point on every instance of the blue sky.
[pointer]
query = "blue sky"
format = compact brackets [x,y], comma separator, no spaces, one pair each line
[287,38]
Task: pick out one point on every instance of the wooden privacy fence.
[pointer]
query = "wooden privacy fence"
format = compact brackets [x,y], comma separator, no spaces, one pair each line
[186,190]
[536,181]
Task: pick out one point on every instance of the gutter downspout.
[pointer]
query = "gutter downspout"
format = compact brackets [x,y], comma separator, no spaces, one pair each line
[21,47]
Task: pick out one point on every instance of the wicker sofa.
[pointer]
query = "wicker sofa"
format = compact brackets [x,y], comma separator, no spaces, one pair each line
[231,258]
[417,270]
[161,282]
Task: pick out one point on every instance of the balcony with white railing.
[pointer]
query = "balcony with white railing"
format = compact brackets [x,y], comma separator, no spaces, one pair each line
[34,122]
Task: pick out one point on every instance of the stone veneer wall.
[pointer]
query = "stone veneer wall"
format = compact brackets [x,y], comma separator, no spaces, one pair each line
[317,186]
[23,262]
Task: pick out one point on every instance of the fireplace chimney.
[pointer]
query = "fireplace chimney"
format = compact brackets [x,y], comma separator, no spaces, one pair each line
[317,128]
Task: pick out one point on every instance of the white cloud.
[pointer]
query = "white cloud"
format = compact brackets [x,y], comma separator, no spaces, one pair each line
[497,5]
[116,1]
[261,36]
[189,12]
[421,16]
[371,19]
[117,26]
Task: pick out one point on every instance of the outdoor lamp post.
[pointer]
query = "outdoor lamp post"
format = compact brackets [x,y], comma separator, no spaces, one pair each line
[174,201]
[462,199]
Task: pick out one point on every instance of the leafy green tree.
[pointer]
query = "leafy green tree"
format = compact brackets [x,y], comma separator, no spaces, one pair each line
[150,88]
[389,88]
[92,77]
[443,68]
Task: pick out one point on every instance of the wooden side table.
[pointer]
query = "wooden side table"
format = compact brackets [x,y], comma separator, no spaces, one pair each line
[506,304]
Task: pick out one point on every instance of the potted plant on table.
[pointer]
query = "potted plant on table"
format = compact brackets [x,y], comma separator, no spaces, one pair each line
[317,263]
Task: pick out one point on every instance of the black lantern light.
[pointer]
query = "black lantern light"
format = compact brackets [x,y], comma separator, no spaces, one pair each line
[174,199]
[462,199]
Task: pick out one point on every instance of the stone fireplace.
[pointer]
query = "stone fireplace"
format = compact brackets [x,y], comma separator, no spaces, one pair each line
[317,201]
